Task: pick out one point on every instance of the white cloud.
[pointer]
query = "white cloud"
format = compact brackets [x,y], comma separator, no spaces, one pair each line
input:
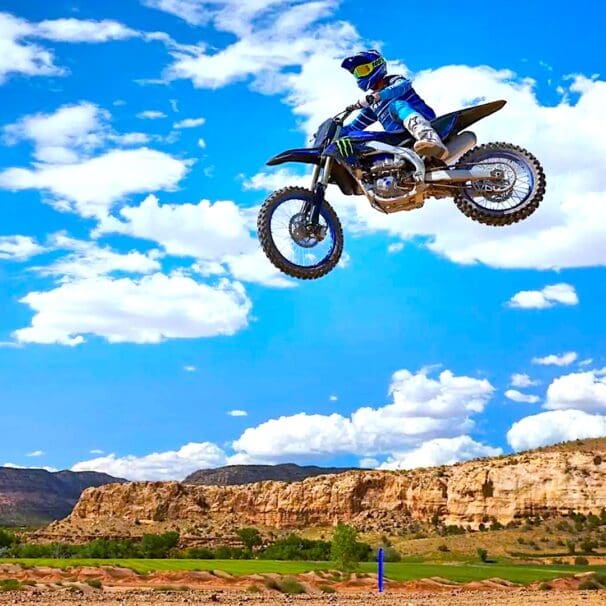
[518,396]
[35,453]
[88,260]
[190,368]
[523,380]
[192,11]
[369,463]
[91,187]
[564,359]
[150,114]
[19,55]
[201,143]
[565,294]
[555,426]
[441,451]
[63,136]
[395,247]
[145,310]
[333,398]
[97,451]
[189,123]
[217,235]
[168,465]
[423,409]
[237,413]
[19,248]
[76,30]
[579,390]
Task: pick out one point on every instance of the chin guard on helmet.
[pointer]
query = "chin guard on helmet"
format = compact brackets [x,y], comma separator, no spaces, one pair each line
[368,68]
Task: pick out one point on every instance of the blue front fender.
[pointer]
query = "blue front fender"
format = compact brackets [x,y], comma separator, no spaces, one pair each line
[304,155]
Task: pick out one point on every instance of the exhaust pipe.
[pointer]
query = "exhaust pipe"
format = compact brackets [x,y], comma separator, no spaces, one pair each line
[460,144]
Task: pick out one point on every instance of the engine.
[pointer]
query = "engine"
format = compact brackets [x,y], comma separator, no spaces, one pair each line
[391,177]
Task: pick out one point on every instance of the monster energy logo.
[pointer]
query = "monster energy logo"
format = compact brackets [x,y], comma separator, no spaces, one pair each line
[345,146]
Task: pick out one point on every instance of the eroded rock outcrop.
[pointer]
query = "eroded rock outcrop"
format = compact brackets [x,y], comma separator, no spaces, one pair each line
[540,483]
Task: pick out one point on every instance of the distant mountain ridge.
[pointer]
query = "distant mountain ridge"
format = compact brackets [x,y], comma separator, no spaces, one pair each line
[232,475]
[36,496]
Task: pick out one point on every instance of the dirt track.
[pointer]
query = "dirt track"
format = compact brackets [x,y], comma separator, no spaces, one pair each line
[516,597]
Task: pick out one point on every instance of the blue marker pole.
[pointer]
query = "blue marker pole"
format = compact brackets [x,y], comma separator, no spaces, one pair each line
[380,570]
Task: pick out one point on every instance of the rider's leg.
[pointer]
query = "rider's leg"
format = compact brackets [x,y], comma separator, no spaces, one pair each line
[428,141]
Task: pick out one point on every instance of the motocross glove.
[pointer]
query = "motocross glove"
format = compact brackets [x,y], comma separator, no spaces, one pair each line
[367,100]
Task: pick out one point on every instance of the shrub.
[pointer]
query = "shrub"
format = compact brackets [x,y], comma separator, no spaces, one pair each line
[327,589]
[253,589]
[587,545]
[390,555]
[545,586]
[295,547]
[159,545]
[94,583]
[10,585]
[571,546]
[482,554]
[290,586]
[589,584]
[7,539]
[581,561]
[443,548]
[251,537]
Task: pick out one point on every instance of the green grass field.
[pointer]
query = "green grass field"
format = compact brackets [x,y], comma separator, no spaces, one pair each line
[401,571]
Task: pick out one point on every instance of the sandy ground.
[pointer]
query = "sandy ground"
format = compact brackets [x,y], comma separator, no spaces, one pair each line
[517,597]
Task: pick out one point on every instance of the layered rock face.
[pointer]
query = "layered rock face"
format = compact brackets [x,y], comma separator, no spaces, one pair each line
[540,483]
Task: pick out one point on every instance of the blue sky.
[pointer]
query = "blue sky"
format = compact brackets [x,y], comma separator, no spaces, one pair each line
[142,331]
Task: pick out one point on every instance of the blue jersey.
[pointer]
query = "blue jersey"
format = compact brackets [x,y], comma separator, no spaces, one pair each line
[396,102]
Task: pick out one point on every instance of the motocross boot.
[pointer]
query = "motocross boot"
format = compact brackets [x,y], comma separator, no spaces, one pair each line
[428,141]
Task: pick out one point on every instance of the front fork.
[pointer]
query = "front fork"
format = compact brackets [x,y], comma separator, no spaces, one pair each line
[319,181]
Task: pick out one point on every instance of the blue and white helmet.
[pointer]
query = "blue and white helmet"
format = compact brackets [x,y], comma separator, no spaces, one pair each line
[368,67]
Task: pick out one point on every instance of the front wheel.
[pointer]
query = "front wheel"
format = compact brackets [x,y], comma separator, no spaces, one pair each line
[514,196]
[291,242]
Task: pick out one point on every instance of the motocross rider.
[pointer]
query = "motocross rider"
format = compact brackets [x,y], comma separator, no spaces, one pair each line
[392,100]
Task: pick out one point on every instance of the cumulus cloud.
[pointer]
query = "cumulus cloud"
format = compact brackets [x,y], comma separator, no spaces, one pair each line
[19,55]
[19,248]
[551,295]
[565,359]
[91,187]
[63,136]
[145,310]
[237,413]
[555,426]
[218,235]
[523,380]
[88,260]
[168,465]
[518,396]
[423,409]
[441,451]
[579,390]
[77,30]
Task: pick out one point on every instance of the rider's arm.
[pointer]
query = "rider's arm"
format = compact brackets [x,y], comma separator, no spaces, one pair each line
[362,121]
[397,89]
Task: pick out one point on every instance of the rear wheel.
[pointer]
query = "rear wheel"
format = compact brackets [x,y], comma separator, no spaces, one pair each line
[512,198]
[291,242]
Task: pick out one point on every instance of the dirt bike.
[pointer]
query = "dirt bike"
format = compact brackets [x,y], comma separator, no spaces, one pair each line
[495,184]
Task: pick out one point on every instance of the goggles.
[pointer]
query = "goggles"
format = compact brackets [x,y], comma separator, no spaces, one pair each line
[361,71]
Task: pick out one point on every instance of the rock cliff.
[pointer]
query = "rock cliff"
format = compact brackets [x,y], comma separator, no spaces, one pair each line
[546,483]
